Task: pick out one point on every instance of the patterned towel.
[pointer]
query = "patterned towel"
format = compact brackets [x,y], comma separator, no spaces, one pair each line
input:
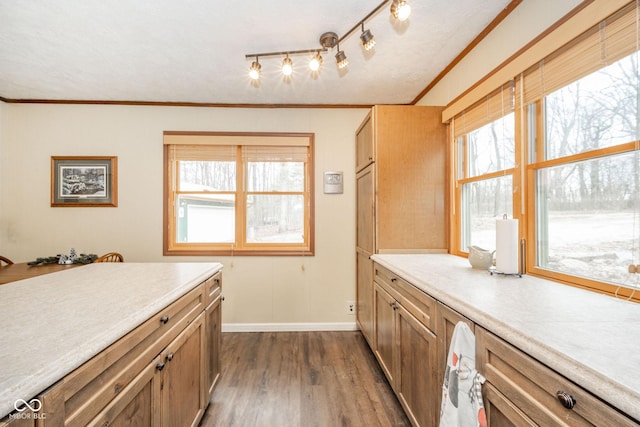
[462,387]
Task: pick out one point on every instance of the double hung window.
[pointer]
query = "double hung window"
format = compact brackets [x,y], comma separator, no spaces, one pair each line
[238,193]
[562,155]
[484,137]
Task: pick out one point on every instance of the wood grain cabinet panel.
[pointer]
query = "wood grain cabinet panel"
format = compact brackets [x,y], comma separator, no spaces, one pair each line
[400,192]
[364,144]
[522,391]
[364,294]
[406,346]
[183,394]
[385,320]
[417,387]
[213,330]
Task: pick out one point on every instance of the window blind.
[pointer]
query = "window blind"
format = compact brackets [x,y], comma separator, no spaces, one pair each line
[186,152]
[610,40]
[497,104]
[266,153]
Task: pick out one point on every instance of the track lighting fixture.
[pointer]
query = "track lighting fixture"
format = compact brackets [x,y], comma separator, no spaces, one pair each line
[287,66]
[400,10]
[254,70]
[341,58]
[368,42]
[316,62]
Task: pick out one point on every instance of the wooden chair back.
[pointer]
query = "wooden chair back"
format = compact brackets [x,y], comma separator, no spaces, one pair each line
[110,257]
[5,260]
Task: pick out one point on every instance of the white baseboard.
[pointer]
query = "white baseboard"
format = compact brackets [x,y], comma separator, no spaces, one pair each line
[288,327]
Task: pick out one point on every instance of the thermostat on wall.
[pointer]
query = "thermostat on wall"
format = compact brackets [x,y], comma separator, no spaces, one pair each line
[333,183]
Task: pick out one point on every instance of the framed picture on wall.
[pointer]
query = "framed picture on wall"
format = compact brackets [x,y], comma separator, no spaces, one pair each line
[84,181]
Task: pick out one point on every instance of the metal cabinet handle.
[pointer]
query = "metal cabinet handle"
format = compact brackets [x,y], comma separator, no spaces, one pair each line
[393,279]
[169,357]
[566,399]
[164,320]
[160,366]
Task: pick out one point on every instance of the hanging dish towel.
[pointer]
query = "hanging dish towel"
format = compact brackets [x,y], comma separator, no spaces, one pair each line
[462,387]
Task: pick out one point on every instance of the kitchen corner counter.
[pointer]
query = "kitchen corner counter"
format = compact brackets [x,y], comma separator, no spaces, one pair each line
[52,324]
[591,339]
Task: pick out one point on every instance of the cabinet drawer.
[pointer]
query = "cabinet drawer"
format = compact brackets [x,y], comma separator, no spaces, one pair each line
[82,394]
[516,380]
[416,302]
[212,288]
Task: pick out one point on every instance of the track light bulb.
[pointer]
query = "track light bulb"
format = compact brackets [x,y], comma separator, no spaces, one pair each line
[254,70]
[316,62]
[287,66]
[400,10]
[368,42]
[341,59]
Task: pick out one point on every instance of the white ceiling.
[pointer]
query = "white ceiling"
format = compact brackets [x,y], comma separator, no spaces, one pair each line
[193,51]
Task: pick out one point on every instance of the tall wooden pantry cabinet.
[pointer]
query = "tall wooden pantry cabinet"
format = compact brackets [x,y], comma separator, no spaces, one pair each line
[400,192]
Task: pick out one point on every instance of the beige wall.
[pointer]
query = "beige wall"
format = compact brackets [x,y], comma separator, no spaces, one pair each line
[265,290]
[525,23]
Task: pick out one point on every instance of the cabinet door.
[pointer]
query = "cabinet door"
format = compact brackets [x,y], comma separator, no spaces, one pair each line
[500,411]
[385,324]
[364,294]
[411,208]
[213,328]
[182,384]
[365,220]
[416,381]
[364,144]
[136,405]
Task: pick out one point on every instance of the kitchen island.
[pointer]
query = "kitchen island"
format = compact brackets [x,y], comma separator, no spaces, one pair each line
[590,339]
[52,325]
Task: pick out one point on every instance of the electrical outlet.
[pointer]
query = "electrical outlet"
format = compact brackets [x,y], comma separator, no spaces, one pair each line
[351,307]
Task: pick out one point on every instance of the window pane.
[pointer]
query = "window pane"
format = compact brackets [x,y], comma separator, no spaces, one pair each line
[275,176]
[597,111]
[483,202]
[586,223]
[491,147]
[205,218]
[275,219]
[207,176]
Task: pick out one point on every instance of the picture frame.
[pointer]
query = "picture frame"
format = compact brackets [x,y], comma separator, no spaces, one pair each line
[81,181]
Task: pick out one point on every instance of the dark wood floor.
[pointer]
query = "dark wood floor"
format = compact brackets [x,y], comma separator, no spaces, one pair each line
[290,379]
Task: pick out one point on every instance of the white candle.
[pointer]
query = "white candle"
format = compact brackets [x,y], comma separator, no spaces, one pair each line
[507,246]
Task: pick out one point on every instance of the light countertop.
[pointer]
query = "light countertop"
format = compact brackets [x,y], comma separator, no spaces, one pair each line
[52,324]
[592,339]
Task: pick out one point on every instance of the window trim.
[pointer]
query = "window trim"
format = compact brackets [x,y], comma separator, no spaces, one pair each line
[238,139]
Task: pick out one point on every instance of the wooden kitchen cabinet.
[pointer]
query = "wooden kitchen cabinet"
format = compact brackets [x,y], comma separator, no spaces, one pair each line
[159,374]
[183,393]
[521,391]
[406,346]
[365,199]
[213,331]
[400,191]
